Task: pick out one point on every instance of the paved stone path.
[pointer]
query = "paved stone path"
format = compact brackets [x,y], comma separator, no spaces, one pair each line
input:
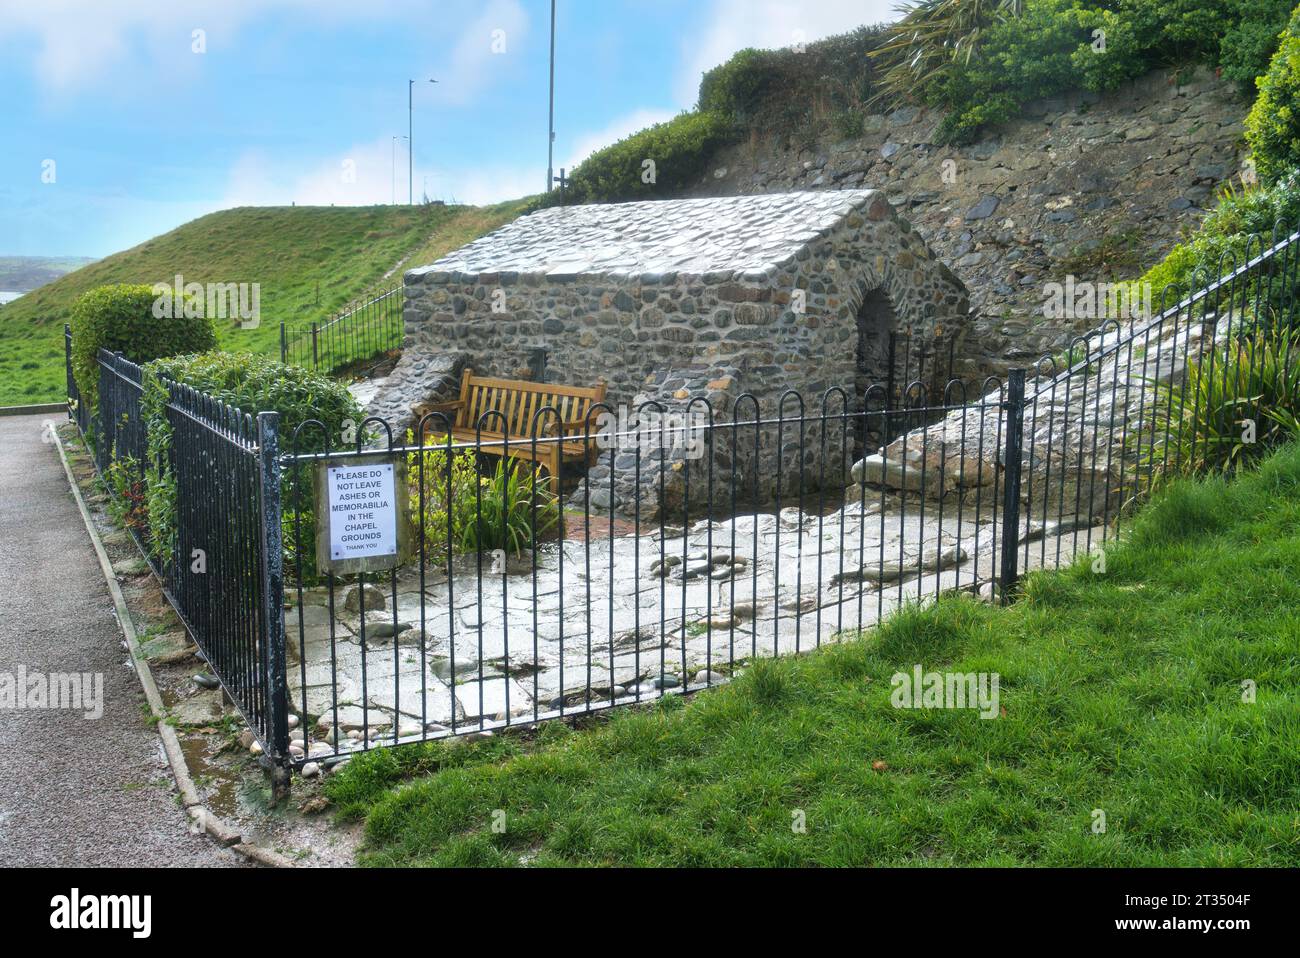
[74,791]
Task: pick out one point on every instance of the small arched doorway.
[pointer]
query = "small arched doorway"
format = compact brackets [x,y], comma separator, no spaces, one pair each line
[877,322]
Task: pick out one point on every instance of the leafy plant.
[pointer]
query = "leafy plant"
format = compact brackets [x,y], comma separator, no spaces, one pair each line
[1273,126]
[461,511]
[1242,225]
[503,513]
[127,500]
[1234,406]
[120,318]
[316,413]
[935,37]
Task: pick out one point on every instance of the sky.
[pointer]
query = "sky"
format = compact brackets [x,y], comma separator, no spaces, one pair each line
[122,119]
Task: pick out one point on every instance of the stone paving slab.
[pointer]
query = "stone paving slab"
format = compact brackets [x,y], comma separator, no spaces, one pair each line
[598,621]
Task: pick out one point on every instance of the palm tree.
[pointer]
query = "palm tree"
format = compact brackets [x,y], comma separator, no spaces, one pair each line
[931,36]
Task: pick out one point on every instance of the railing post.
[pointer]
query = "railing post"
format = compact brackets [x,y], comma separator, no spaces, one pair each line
[315,351]
[1014,431]
[284,344]
[275,669]
[67,368]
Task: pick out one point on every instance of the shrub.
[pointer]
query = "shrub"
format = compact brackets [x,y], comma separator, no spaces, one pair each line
[1273,126]
[1243,222]
[680,149]
[251,383]
[121,318]
[736,88]
[461,511]
[983,59]
[1247,45]
[1255,379]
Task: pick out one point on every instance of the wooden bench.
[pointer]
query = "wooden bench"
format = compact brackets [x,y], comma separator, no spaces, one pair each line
[515,404]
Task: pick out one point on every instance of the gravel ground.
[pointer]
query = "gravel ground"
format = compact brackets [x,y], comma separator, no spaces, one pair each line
[73,791]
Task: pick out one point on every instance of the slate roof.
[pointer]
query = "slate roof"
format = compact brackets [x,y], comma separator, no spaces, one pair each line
[694,236]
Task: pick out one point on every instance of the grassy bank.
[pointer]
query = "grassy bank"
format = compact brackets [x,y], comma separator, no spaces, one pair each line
[309,262]
[1122,693]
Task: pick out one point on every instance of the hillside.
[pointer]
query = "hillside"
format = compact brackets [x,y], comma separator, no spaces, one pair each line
[309,262]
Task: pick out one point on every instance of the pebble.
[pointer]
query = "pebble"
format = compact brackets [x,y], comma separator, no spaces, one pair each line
[205,681]
[310,770]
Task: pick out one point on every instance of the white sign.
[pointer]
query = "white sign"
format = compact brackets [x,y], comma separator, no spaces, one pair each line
[362,502]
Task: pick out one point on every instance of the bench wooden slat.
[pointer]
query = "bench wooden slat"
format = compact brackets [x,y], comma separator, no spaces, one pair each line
[518,402]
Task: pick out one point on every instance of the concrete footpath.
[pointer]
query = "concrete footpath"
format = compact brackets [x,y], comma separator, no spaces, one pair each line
[73,791]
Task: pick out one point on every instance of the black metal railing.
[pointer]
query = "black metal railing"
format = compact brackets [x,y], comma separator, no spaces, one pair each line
[674,546]
[371,329]
[218,555]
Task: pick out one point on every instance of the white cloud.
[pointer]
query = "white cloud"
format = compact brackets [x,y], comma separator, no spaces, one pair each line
[362,175]
[485,48]
[481,186]
[77,42]
[736,24]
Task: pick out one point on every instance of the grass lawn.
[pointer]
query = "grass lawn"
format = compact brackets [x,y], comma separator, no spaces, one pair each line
[309,262]
[1122,692]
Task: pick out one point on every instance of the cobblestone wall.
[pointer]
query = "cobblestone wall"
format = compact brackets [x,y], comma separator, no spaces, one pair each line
[792,325]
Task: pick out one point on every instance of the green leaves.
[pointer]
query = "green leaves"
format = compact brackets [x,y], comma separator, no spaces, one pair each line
[1273,126]
[1235,406]
[120,318]
[461,511]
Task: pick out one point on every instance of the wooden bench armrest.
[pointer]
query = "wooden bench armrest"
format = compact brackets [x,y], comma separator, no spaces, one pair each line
[444,407]
[580,425]
[572,426]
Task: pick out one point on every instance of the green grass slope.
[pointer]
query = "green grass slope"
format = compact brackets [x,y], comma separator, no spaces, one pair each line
[1122,692]
[310,262]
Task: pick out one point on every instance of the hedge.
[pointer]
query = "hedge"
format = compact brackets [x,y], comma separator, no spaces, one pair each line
[123,318]
[252,383]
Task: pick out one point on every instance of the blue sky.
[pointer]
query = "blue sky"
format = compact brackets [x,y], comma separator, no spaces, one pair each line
[298,100]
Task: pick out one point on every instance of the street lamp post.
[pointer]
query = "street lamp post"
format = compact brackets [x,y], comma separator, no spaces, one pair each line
[550,140]
[410,141]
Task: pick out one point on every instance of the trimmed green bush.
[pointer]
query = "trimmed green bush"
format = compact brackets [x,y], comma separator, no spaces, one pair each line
[122,318]
[679,148]
[251,383]
[1273,126]
[736,88]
